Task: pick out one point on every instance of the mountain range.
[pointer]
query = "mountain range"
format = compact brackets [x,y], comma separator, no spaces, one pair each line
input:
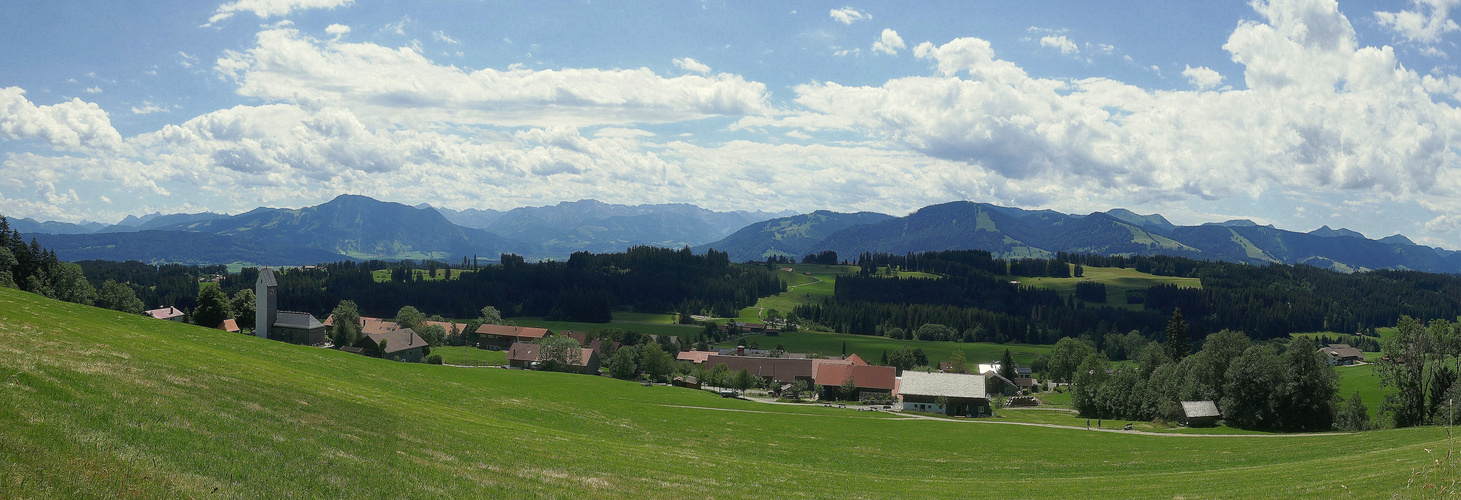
[1016,233]
[358,227]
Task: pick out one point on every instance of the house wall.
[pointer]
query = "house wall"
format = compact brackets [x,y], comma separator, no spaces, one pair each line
[977,407]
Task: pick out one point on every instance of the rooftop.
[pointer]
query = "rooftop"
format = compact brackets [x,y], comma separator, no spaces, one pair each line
[953,385]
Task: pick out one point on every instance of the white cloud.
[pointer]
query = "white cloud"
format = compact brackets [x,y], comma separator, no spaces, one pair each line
[440,36]
[93,90]
[1059,42]
[379,83]
[1202,77]
[271,8]
[1444,224]
[689,64]
[1319,114]
[337,30]
[185,60]
[849,15]
[1424,23]
[398,27]
[889,43]
[71,125]
[148,108]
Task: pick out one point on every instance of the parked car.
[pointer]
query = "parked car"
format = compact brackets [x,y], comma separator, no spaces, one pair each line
[728,393]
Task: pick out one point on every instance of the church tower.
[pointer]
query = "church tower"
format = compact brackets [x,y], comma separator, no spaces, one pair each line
[266,307]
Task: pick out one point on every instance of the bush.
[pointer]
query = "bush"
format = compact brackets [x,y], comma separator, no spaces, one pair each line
[434,359]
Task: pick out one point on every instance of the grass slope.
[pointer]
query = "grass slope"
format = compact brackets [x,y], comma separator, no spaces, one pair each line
[98,404]
[871,348]
[1118,281]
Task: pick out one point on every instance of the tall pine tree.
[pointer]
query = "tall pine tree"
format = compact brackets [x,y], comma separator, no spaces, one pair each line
[1178,346]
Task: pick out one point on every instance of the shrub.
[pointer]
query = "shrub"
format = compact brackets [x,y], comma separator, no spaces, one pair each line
[434,359]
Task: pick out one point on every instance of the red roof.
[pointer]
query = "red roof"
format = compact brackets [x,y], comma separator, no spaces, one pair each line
[523,351]
[696,357]
[165,313]
[513,331]
[856,360]
[446,326]
[376,325]
[866,377]
[229,325]
[781,369]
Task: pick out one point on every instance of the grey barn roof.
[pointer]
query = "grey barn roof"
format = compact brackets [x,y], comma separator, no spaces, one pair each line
[398,340]
[1196,409]
[297,320]
[952,385]
[266,275]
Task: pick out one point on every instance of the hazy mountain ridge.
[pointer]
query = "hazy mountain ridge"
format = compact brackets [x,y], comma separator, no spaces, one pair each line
[1015,233]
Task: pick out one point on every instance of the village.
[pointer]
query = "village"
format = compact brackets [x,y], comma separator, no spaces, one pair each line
[754,374]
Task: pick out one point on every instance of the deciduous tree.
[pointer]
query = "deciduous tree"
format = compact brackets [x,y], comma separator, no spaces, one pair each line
[213,306]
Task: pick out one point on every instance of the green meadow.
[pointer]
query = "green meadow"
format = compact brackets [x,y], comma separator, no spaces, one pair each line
[101,404]
[871,348]
[1118,281]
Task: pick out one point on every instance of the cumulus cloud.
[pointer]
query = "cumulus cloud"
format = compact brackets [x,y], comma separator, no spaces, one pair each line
[1444,224]
[1059,42]
[1319,113]
[689,64]
[93,90]
[378,83]
[889,43]
[70,125]
[848,15]
[270,8]
[337,30]
[1202,77]
[1424,23]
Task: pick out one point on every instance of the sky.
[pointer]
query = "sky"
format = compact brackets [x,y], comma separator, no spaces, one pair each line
[1297,113]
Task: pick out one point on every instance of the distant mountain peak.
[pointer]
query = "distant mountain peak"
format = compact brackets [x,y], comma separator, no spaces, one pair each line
[1398,240]
[1326,232]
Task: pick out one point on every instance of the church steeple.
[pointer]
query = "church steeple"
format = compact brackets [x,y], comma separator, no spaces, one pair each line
[266,307]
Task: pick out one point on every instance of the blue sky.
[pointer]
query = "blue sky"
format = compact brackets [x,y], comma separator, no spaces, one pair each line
[1299,113]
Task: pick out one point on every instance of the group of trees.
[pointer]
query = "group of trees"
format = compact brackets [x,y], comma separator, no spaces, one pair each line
[1268,386]
[585,288]
[35,269]
[215,306]
[1267,302]
[1420,364]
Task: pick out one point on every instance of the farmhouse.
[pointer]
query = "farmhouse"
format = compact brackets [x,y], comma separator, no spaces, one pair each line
[1342,354]
[400,345]
[505,336]
[947,393]
[526,356]
[696,357]
[168,313]
[285,326]
[870,381]
[1199,414]
[782,370]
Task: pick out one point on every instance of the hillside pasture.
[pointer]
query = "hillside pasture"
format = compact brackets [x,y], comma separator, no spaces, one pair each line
[1118,281]
[100,404]
[871,348]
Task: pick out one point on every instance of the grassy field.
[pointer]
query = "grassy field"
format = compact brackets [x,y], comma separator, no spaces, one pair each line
[384,275]
[639,326]
[1118,281]
[99,404]
[871,348]
[801,288]
[470,356]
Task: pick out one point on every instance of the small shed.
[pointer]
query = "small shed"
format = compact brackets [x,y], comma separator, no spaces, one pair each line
[1200,413]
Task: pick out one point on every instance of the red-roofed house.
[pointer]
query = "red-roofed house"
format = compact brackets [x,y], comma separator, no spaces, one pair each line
[230,326]
[696,357]
[856,360]
[505,335]
[783,370]
[168,313]
[525,355]
[871,381]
